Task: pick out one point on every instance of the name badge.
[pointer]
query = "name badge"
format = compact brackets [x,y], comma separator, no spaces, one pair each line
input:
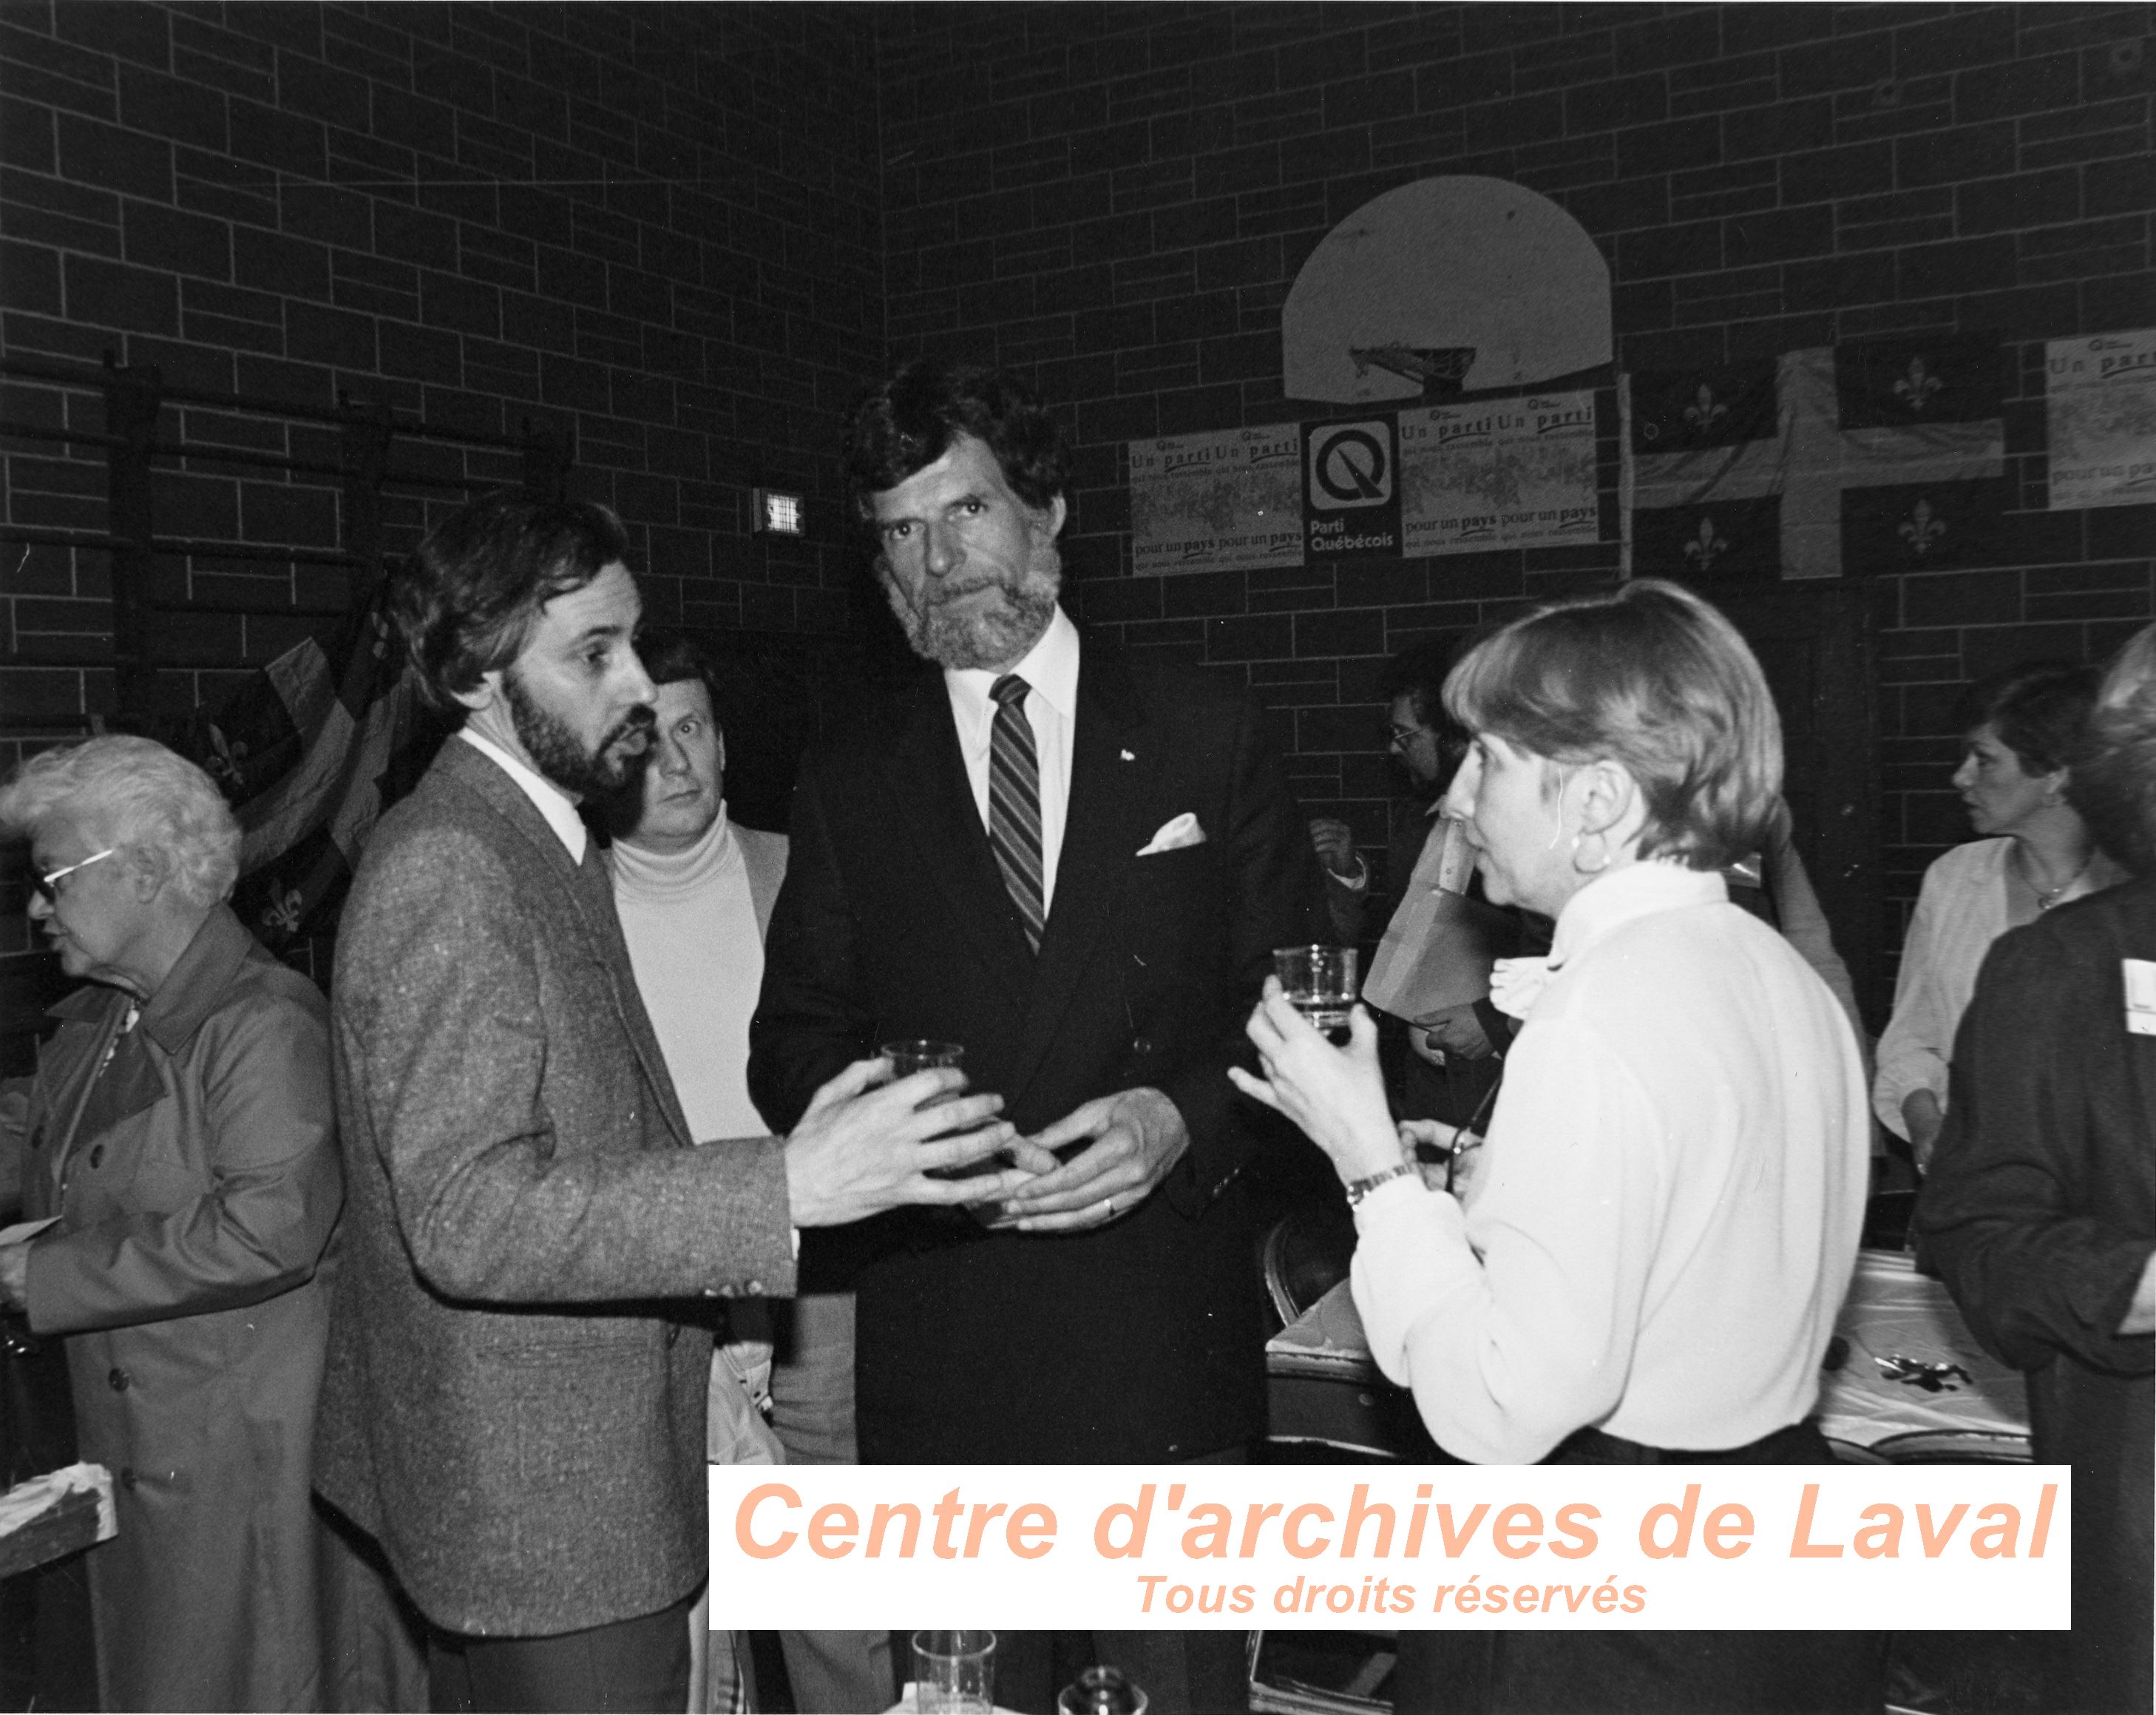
[2140,995]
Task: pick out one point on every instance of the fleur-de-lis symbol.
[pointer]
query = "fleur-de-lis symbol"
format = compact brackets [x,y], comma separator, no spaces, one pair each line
[1916,388]
[283,911]
[1703,412]
[225,758]
[1703,548]
[1920,529]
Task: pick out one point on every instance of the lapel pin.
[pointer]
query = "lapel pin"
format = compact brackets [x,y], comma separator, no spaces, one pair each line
[1127,757]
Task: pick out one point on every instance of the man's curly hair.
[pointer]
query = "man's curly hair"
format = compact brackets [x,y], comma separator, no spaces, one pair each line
[466,600]
[909,421]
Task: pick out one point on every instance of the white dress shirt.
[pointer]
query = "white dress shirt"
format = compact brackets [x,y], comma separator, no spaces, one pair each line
[556,805]
[1961,910]
[1670,1201]
[1050,671]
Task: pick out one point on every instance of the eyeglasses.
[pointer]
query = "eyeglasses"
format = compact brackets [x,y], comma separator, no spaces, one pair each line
[1401,735]
[47,885]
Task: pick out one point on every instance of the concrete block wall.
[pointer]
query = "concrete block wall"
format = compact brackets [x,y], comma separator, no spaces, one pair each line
[688,233]
[1116,199]
[654,227]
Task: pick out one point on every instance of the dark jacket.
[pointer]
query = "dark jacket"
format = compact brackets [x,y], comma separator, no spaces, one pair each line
[1142,1339]
[2040,1212]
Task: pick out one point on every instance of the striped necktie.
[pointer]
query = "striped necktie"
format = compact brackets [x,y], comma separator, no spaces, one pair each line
[1014,803]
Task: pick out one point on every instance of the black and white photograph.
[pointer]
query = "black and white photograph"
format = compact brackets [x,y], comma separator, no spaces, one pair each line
[972,734]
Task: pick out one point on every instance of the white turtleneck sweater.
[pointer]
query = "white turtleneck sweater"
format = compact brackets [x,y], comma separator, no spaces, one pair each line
[699,960]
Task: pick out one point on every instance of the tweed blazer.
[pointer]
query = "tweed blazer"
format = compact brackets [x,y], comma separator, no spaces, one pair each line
[511,1407]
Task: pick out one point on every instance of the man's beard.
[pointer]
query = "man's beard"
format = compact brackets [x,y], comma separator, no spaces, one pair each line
[560,755]
[989,636]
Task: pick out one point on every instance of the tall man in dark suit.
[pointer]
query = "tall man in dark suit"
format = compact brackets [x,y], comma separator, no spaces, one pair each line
[512,1408]
[1076,865]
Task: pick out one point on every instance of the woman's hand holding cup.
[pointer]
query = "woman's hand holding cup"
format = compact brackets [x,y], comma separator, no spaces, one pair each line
[1336,1095]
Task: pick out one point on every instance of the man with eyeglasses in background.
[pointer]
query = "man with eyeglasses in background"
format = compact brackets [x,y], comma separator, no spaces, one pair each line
[1410,684]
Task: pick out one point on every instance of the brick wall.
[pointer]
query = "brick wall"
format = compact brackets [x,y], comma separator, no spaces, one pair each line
[652,227]
[665,227]
[1122,200]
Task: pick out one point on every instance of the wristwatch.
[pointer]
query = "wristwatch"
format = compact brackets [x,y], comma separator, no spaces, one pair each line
[1357,1190]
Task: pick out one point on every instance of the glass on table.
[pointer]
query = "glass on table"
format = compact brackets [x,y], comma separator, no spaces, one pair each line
[954,1672]
[1320,984]
[1102,1691]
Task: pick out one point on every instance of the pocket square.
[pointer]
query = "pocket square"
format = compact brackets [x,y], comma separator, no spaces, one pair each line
[1174,835]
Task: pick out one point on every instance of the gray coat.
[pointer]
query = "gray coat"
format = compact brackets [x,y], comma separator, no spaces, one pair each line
[197,1187]
[511,1407]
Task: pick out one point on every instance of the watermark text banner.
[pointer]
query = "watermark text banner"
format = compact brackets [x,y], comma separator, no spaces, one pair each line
[1124,1547]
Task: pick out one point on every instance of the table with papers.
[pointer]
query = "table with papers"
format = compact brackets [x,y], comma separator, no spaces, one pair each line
[1904,1380]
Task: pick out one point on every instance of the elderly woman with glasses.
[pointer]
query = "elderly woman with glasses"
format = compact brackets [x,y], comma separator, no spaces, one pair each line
[1647,1264]
[179,1135]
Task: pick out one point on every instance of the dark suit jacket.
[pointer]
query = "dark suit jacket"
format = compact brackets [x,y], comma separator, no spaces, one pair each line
[1141,1340]
[525,1438]
[2039,1212]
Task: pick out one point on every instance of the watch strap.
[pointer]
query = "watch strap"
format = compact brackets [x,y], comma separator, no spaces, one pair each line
[1357,1190]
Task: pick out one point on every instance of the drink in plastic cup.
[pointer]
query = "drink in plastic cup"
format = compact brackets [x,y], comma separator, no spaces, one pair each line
[1319,982]
[919,1054]
[954,1672]
[916,1054]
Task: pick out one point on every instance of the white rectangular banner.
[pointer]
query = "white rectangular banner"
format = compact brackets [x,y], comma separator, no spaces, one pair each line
[1227,502]
[1498,473]
[1123,1547]
[2100,406]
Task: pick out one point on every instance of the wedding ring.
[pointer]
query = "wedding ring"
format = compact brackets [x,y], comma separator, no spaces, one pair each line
[1109,1203]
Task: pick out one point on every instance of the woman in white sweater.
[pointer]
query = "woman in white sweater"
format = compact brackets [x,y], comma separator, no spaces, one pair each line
[1647,1267]
[2034,853]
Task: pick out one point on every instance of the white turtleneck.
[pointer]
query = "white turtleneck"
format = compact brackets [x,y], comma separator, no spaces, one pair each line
[698,956]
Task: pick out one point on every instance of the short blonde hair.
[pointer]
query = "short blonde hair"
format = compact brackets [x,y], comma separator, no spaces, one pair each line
[1650,676]
[143,794]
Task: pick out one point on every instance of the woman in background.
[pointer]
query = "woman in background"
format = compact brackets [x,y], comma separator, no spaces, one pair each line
[1647,1267]
[180,1128]
[2040,1212]
[2034,852]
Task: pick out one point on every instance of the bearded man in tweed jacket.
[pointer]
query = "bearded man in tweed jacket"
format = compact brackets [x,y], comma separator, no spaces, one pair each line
[514,1405]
